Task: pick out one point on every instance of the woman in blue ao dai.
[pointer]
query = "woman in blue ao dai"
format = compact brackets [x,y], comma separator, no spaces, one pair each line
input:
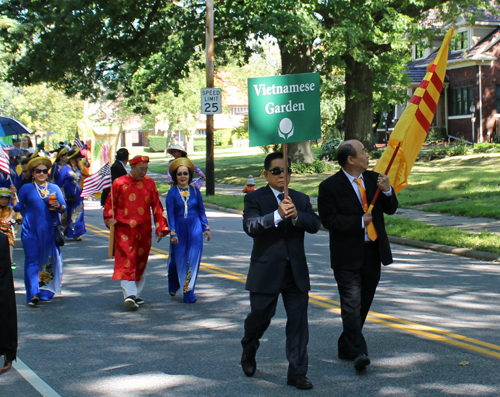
[40,203]
[70,178]
[188,225]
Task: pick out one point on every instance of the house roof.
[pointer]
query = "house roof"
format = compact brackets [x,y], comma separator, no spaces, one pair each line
[479,52]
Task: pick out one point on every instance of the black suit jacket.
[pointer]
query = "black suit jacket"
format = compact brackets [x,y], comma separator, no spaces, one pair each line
[117,170]
[269,261]
[8,311]
[340,212]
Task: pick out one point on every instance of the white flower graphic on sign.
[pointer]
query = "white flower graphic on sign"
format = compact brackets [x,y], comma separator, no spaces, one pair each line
[285,129]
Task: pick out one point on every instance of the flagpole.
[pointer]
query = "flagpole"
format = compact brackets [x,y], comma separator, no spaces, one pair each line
[285,167]
[15,194]
[386,172]
[111,248]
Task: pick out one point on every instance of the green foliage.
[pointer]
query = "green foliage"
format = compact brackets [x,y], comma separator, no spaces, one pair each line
[200,144]
[329,148]
[317,167]
[376,154]
[449,151]
[222,137]
[271,148]
[42,109]
[436,135]
[157,143]
[241,132]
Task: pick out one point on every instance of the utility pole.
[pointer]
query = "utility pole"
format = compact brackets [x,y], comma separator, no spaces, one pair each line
[210,164]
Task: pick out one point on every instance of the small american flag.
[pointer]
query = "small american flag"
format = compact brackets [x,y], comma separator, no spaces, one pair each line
[78,142]
[97,182]
[4,162]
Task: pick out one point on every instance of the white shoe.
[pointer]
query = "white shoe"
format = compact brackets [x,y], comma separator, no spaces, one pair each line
[130,303]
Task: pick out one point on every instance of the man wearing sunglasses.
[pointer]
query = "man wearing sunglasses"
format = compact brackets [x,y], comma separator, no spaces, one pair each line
[278,266]
[358,241]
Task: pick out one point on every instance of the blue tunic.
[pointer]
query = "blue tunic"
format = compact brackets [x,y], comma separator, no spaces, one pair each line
[70,182]
[43,266]
[184,259]
[55,173]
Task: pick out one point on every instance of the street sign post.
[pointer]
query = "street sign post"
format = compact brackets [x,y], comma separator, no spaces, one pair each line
[284,109]
[211,100]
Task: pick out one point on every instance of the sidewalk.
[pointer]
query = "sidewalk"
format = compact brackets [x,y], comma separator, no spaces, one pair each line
[430,218]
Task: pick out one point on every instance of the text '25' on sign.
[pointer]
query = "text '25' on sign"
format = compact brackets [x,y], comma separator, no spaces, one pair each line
[211,100]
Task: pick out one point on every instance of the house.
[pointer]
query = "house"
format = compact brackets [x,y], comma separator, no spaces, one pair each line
[469,105]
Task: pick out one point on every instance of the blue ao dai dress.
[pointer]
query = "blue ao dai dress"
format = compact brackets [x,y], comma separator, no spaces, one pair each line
[43,264]
[185,257]
[70,182]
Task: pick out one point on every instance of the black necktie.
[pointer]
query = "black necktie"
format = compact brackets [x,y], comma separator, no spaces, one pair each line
[281,196]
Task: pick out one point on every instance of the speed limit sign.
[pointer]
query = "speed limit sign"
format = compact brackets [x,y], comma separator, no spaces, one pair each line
[211,100]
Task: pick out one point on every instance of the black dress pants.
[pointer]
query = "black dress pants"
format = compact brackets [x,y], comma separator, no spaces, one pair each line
[263,308]
[357,288]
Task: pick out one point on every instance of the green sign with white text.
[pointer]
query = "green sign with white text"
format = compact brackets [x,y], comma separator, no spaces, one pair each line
[284,109]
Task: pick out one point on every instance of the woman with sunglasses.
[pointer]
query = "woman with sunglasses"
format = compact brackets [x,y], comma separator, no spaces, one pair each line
[188,225]
[40,203]
[70,177]
[177,152]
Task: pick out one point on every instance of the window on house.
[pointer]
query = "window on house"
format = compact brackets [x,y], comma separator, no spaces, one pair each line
[497,97]
[460,101]
[419,51]
[459,41]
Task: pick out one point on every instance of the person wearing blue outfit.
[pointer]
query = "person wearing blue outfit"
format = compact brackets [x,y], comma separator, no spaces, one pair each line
[39,203]
[188,225]
[70,178]
[55,171]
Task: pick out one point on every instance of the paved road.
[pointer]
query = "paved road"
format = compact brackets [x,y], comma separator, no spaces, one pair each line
[432,313]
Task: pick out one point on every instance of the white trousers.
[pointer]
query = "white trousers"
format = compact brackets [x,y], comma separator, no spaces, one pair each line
[133,288]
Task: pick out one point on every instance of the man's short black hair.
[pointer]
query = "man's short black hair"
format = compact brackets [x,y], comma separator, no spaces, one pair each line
[121,154]
[344,151]
[25,161]
[273,156]
[174,175]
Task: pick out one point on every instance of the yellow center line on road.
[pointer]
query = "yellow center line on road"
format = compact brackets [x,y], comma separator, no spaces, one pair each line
[400,324]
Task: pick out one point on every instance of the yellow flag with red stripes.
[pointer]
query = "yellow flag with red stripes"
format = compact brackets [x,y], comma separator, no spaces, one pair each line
[412,127]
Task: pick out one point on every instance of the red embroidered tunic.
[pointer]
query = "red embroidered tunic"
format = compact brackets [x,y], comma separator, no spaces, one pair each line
[132,202]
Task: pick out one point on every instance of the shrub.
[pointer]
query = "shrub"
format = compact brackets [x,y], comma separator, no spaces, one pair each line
[200,144]
[222,137]
[376,154]
[316,167]
[436,135]
[329,149]
[486,148]
[157,143]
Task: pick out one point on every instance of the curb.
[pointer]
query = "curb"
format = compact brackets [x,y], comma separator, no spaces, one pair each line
[447,249]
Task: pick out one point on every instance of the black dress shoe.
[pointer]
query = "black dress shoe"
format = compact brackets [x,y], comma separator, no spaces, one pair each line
[248,365]
[361,362]
[299,381]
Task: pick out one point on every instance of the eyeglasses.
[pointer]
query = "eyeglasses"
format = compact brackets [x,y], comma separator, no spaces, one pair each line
[39,171]
[277,171]
[143,169]
[184,173]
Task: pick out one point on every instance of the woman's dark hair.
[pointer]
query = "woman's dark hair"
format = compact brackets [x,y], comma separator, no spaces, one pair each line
[174,176]
[30,144]
[184,154]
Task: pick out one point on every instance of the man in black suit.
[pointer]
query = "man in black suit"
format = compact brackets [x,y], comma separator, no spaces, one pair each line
[117,170]
[8,311]
[278,266]
[358,241]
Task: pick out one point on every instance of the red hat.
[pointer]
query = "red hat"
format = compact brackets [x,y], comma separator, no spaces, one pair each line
[139,159]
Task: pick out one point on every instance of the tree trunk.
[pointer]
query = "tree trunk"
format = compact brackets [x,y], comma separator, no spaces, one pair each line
[359,102]
[295,62]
